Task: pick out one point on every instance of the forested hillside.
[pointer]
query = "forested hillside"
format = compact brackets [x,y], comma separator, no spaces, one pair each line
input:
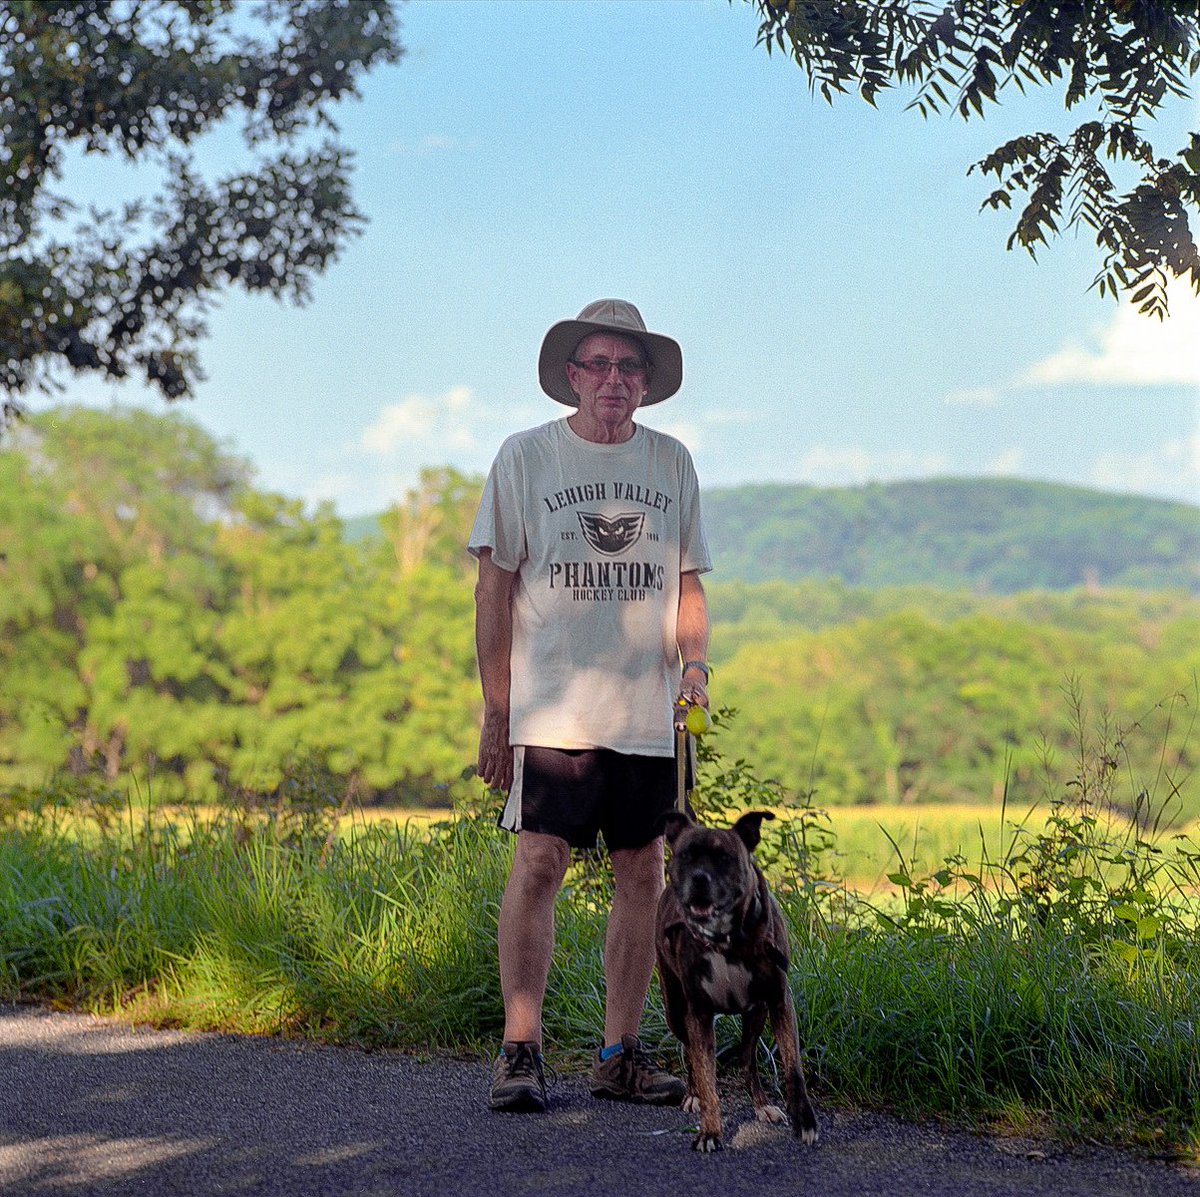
[165,625]
[993,534]
[990,535]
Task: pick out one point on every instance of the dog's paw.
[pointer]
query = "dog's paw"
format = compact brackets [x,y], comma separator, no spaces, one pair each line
[691,1104]
[770,1114]
[805,1127]
[803,1119]
[707,1143]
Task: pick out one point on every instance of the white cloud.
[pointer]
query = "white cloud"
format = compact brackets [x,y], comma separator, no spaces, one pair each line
[1132,349]
[418,430]
[973,397]
[399,423]
[1006,463]
[422,421]
[684,431]
[458,398]
[697,431]
[852,465]
[1172,469]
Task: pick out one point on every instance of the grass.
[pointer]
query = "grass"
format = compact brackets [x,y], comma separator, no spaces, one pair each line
[1049,977]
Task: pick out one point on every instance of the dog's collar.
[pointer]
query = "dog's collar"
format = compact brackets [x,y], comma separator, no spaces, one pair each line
[707,937]
[753,916]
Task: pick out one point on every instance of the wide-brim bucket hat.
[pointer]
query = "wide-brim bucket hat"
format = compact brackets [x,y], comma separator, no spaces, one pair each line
[610,316]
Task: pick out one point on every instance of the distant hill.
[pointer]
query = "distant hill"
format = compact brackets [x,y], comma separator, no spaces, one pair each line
[989,534]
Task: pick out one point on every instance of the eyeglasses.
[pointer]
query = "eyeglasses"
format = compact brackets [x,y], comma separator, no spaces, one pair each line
[629,367]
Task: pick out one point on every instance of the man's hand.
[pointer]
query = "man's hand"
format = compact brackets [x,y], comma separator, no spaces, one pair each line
[693,692]
[495,763]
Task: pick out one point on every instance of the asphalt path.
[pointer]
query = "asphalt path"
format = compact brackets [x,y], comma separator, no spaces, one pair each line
[93,1106]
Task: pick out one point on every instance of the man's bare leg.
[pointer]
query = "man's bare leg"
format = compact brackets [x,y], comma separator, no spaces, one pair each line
[629,939]
[526,931]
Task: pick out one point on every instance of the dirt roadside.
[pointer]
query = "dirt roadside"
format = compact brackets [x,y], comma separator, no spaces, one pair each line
[92,1106]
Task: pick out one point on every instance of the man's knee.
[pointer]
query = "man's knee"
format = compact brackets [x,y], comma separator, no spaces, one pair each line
[638,872]
[539,863]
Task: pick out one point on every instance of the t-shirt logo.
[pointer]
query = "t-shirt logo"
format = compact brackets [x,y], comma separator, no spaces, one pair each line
[612,536]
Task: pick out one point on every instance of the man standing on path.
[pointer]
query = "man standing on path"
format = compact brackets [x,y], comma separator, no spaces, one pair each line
[590,624]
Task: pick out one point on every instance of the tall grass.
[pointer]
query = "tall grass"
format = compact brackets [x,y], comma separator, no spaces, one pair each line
[1050,976]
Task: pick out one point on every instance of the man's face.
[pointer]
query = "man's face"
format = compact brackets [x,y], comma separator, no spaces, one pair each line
[610,396]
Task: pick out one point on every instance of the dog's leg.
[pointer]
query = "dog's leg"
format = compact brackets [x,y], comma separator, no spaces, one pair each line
[783,1023]
[675,1008]
[753,1019]
[701,1053]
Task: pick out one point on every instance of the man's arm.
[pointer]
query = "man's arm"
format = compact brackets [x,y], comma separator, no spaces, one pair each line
[493,643]
[691,634]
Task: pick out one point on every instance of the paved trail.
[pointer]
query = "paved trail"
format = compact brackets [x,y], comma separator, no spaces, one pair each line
[89,1106]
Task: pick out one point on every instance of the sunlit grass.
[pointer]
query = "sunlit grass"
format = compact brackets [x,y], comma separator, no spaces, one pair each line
[969,961]
[947,997]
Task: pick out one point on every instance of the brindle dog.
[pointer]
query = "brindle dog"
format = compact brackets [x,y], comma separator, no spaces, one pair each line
[723,949]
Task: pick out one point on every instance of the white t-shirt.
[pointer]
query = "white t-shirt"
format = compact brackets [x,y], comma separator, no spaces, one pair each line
[598,536]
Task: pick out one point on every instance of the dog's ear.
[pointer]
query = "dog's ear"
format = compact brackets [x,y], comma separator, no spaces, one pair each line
[748,828]
[673,823]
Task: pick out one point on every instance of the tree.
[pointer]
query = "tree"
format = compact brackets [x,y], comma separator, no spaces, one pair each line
[1126,55]
[125,292]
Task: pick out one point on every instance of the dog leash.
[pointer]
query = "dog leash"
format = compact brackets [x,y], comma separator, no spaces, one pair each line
[681,750]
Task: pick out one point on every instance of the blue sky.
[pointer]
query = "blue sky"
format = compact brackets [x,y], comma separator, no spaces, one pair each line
[846,312]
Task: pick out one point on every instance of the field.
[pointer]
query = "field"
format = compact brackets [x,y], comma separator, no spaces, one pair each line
[866,843]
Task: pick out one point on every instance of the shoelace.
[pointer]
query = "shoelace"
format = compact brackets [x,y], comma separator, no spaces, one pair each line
[639,1057]
[528,1063]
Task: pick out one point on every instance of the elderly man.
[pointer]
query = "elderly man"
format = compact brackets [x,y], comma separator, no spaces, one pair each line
[590,625]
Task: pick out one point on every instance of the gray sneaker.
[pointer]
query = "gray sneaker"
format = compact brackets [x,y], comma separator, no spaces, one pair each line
[518,1082]
[631,1075]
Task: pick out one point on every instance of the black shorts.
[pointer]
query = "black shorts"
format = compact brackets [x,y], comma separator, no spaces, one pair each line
[574,793]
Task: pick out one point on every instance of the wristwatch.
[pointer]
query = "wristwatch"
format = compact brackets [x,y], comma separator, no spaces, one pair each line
[701,665]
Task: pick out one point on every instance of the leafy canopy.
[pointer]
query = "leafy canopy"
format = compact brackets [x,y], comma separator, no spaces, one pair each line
[124,292]
[1128,56]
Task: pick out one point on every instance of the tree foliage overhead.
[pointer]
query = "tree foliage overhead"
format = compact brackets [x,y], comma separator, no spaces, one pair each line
[124,292]
[1128,56]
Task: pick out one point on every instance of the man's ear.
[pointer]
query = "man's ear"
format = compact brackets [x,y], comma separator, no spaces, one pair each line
[673,824]
[748,828]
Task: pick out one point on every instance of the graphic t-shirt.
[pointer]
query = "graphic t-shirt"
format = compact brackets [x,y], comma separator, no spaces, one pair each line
[598,536]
